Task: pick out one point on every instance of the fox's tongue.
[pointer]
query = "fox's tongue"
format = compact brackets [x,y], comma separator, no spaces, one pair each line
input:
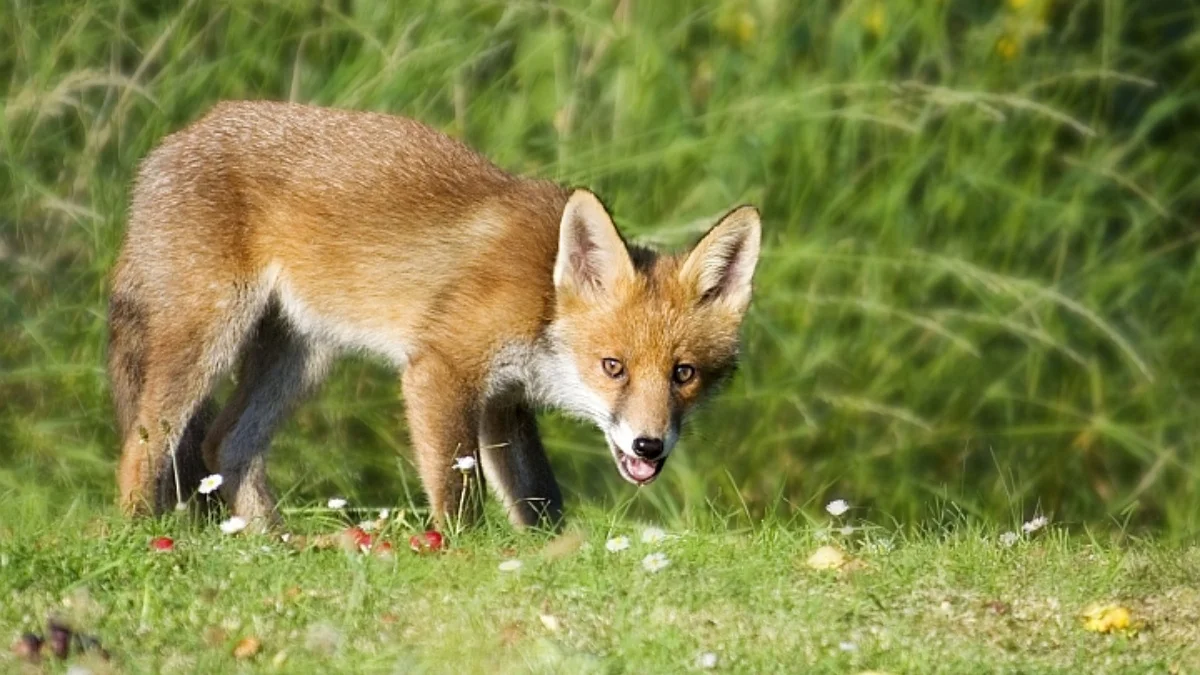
[640,469]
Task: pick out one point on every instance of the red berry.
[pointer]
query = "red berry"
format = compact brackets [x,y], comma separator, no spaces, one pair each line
[164,544]
[383,549]
[356,537]
[426,541]
[433,539]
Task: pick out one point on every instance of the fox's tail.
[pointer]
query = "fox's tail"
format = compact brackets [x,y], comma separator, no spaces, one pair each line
[127,354]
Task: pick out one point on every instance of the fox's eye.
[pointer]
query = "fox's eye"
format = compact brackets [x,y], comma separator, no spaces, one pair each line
[683,373]
[613,368]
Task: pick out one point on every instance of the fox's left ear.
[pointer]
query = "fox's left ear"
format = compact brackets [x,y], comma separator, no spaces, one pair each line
[722,265]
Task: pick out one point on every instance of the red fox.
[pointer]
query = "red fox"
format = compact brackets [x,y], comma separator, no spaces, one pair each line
[271,236]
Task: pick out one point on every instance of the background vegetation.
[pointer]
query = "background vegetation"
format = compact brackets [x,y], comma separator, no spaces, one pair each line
[979,291]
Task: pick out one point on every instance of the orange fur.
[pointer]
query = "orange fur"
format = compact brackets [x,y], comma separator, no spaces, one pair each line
[277,235]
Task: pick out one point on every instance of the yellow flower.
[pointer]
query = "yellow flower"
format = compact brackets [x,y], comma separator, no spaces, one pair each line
[875,20]
[1106,618]
[739,27]
[1007,48]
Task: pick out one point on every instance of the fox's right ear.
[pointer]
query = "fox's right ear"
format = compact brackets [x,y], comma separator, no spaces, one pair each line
[591,254]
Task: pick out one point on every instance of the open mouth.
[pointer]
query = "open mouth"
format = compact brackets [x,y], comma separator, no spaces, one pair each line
[635,469]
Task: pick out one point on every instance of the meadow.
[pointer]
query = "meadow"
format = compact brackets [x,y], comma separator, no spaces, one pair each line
[976,306]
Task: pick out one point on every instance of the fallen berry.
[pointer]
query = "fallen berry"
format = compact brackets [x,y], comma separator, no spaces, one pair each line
[163,544]
[354,539]
[426,541]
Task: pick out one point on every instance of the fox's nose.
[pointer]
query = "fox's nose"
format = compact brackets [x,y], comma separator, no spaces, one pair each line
[647,448]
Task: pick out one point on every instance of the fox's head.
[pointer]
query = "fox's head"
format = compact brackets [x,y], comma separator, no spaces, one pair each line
[645,337]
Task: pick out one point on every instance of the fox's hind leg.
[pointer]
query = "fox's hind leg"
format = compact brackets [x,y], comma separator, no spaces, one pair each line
[278,368]
[185,347]
[516,466]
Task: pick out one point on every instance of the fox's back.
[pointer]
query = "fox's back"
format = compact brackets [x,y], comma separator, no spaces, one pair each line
[348,211]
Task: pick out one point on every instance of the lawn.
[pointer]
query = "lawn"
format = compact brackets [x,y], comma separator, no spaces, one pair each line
[976,306]
[733,596]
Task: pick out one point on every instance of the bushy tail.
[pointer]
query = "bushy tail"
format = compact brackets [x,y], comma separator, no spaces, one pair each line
[126,359]
[127,355]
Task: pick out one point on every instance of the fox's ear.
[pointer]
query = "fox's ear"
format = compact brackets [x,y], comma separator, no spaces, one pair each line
[591,254]
[721,267]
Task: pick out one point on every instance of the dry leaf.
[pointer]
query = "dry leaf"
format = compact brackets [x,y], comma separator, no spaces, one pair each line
[827,558]
[1107,618]
[246,648]
[563,545]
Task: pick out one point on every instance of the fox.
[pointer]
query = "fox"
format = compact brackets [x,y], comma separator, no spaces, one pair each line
[267,238]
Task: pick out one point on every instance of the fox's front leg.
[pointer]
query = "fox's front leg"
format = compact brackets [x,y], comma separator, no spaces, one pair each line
[442,407]
[516,466]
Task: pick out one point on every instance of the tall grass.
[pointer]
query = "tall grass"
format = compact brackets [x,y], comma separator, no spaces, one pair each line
[979,282]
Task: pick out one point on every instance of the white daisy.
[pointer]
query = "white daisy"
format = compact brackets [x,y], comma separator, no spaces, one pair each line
[708,660]
[233,525]
[336,503]
[655,562]
[617,544]
[837,507]
[465,464]
[1035,524]
[653,535]
[209,484]
[1008,539]
[384,513]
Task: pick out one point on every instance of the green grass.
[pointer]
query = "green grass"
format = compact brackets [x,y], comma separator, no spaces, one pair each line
[950,601]
[978,282]
[978,297]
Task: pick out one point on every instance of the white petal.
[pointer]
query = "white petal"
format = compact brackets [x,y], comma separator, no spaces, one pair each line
[653,535]
[337,503]
[510,565]
[617,544]
[209,484]
[837,507]
[233,525]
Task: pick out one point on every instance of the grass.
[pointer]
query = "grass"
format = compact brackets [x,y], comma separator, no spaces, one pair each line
[977,302]
[978,282]
[952,600]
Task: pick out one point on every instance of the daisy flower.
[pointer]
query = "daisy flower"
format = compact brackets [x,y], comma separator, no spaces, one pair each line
[336,503]
[233,525]
[510,565]
[209,484]
[653,535]
[1008,539]
[655,562]
[837,507]
[384,514]
[1035,524]
[465,464]
[617,544]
